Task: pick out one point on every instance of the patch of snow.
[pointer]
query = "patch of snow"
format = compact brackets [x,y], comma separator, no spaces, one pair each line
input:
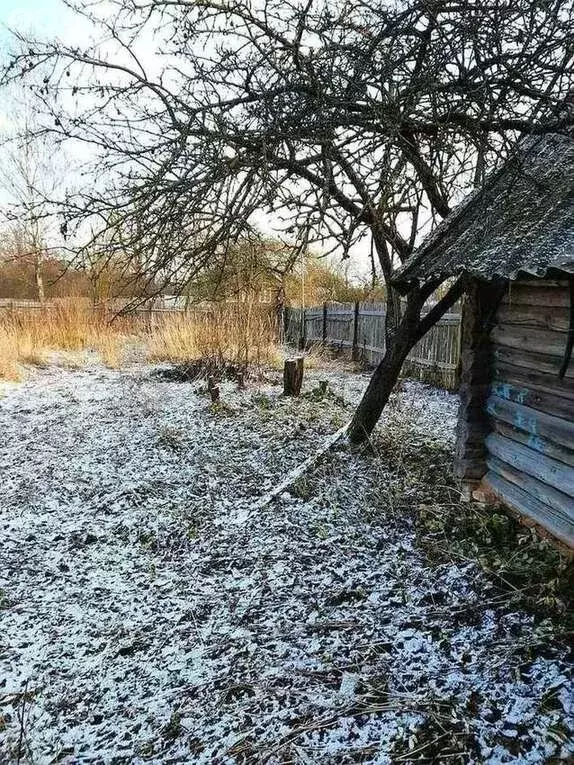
[145,626]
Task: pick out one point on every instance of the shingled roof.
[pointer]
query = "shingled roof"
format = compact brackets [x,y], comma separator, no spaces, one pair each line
[520,222]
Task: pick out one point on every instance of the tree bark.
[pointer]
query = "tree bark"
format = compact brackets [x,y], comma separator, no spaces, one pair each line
[39,280]
[402,333]
[380,387]
[399,341]
[375,397]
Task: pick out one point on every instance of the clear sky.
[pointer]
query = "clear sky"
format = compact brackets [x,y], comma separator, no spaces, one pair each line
[45,17]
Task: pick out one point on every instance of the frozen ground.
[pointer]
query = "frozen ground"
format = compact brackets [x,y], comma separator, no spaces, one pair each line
[145,616]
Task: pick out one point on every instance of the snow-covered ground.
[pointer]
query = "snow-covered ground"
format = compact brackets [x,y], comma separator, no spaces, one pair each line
[146,615]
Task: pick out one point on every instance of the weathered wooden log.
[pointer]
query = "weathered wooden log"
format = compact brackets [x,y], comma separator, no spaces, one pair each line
[537,294]
[534,380]
[550,496]
[555,318]
[538,443]
[213,389]
[532,463]
[532,397]
[543,341]
[473,425]
[293,376]
[540,361]
[550,518]
[531,421]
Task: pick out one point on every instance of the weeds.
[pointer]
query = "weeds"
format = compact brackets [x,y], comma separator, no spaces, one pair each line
[514,555]
[225,335]
[28,337]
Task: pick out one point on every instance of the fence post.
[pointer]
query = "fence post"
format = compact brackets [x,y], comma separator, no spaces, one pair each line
[303,336]
[325,309]
[355,350]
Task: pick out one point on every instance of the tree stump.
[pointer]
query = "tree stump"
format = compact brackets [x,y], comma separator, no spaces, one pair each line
[213,389]
[293,376]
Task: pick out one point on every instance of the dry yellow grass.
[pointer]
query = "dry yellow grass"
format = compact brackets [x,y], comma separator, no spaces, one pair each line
[243,334]
[28,337]
[16,349]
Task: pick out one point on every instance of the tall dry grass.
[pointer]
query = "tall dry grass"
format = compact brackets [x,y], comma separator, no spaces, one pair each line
[28,337]
[243,334]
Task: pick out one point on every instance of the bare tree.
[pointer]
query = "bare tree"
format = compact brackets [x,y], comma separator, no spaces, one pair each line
[341,119]
[29,173]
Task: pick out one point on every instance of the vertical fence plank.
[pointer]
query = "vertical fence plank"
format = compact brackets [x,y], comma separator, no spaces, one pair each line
[360,328]
[355,350]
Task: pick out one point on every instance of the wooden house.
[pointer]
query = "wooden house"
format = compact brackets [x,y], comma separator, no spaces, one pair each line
[513,241]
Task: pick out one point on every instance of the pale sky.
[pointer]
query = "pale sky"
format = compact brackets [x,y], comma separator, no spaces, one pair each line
[51,18]
[41,15]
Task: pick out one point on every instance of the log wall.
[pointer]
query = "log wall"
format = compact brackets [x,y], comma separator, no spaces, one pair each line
[476,361]
[530,447]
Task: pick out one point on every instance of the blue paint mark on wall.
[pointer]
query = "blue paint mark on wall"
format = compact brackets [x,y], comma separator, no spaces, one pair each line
[525,423]
[510,392]
[535,442]
[503,390]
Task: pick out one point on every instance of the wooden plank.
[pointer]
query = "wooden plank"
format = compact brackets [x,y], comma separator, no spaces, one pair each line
[542,341]
[293,475]
[535,464]
[369,313]
[529,360]
[536,424]
[539,444]
[531,507]
[552,497]
[449,319]
[538,381]
[431,363]
[548,403]
[556,318]
[537,294]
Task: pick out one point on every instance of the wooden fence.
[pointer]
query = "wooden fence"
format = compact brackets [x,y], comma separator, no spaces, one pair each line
[105,307]
[356,327]
[360,328]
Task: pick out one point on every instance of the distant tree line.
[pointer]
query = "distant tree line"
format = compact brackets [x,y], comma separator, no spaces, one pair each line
[261,270]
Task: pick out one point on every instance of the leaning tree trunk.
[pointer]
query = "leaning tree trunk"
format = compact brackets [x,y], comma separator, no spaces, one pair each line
[403,331]
[401,337]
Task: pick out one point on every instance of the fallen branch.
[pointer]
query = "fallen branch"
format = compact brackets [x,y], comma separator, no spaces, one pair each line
[298,471]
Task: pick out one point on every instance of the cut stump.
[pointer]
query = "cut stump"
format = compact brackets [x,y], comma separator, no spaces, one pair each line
[293,376]
[213,389]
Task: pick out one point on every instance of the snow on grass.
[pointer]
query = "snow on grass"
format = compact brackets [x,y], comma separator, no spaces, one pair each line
[142,621]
